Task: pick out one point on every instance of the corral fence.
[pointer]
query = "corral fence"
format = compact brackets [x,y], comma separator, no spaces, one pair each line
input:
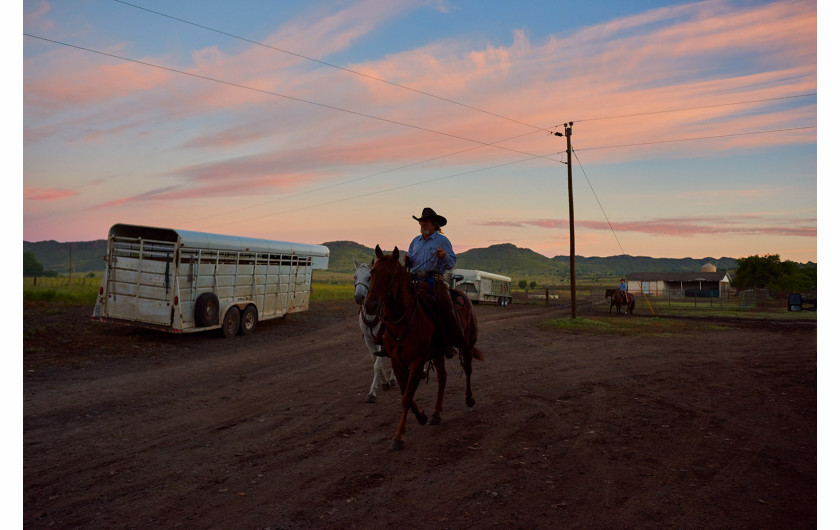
[80,280]
[592,297]
[763,298]
[585,296]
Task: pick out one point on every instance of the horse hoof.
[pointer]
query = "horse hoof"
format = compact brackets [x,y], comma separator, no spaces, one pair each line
[470,402]
[396,445]
[422,419]
[370,398]
[435,419]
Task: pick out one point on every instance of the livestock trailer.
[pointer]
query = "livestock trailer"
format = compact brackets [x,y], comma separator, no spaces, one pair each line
[182,281]
[480,286]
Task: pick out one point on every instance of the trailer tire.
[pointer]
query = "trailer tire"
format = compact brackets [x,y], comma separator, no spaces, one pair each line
[207,310]
[230,324]
[248,321]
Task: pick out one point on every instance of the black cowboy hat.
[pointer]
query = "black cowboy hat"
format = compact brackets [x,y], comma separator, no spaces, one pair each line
[428,213]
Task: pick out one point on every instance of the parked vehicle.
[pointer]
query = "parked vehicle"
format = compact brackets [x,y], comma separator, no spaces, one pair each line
[480,286]
[182,281]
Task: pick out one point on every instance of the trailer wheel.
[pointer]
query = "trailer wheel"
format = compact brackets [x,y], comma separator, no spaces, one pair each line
[230,324]
[207,310]
[248,321]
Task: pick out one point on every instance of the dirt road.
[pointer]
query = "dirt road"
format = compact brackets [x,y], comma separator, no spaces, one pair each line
[713,426]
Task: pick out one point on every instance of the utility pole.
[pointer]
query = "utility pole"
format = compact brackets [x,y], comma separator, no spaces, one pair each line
[568,134]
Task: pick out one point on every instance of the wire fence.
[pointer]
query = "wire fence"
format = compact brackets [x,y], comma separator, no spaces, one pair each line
[594,298]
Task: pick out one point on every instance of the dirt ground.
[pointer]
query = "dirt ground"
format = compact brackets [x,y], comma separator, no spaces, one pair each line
[714,426]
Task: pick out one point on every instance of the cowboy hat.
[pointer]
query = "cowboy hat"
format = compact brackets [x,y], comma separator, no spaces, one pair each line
[430,214]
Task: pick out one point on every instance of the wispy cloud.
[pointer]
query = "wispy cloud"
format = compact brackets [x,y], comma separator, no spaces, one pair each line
[46,194]
[679,226]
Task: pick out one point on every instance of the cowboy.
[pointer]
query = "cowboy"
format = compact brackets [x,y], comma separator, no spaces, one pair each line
[622,290]
[430,255]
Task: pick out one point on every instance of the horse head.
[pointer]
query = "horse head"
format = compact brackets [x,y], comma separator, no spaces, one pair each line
[362,280]
[383,279]
[609,293]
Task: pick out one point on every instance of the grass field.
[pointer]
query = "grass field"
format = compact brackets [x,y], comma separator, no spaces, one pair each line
[82,291]
[62,290]
[627,326]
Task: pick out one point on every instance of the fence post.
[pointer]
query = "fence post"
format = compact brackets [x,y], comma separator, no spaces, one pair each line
[546,296]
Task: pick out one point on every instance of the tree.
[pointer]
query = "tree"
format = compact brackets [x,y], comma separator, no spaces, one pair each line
[31,267]
[523,284]
[533,285]
[770,272]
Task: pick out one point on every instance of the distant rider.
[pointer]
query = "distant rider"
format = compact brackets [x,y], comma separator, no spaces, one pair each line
[622,289]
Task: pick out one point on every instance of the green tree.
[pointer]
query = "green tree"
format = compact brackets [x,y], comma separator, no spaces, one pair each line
[770,272]
[31,267]
[533,285]
[523,284]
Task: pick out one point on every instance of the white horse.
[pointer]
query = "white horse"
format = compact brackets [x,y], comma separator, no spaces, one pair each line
[369,325]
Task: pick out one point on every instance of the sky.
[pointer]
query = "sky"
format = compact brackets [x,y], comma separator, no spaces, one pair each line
[694,124]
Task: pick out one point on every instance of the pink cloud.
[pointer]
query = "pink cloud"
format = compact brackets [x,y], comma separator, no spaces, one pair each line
[46,194]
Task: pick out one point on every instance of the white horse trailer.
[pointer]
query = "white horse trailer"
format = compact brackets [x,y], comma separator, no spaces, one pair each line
[182,281]
[480,286]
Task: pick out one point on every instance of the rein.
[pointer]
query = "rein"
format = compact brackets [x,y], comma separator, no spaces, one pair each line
[369,323]
[388,324]
[399,339]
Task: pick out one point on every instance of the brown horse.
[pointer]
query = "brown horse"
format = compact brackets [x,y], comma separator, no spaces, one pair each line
[617,300]
[408,333]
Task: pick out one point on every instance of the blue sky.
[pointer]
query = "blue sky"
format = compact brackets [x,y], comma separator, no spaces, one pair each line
[695,122]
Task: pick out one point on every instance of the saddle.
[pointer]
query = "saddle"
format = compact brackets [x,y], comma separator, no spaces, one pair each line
[443,336]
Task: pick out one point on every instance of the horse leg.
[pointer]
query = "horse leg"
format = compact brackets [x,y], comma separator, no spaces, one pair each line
[377,361]
[466,362]
[408,403]
[379,371]
[440,368]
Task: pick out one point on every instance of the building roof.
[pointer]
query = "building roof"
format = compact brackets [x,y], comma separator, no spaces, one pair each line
[711,276]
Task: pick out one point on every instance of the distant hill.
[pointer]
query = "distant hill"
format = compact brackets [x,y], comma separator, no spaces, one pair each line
[625,264]
[510,260]
[507,259]
[342,254]
[86,256]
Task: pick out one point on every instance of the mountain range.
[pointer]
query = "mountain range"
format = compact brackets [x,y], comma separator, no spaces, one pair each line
[506,258]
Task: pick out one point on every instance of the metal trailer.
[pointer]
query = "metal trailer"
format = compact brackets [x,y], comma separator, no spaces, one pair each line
[182,281]
[480,286]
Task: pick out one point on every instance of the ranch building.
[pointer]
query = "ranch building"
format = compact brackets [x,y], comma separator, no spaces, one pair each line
[708,283]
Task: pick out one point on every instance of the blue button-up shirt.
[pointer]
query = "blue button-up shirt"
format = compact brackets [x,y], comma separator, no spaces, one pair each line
[421,252]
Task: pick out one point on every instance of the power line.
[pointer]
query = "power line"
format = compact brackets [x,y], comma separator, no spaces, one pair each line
[532,157]
[481,144]
[697,138]
[277,94]
[342,68]
[394,188]
[357,179]
[429,94]
[599,202]
[698,108]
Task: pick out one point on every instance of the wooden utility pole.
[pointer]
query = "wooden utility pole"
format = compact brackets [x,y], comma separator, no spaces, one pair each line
[568,134]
